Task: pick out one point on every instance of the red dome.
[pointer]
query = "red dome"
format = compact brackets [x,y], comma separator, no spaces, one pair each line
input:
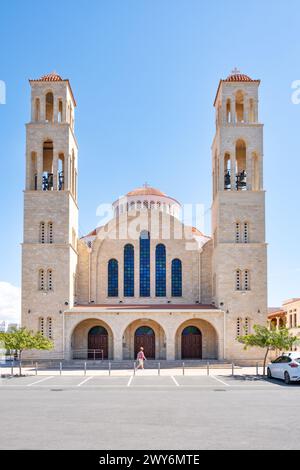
[146,191]
[50,77]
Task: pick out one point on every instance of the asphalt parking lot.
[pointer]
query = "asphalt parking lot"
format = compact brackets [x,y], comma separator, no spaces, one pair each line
[140,381]
[148,412]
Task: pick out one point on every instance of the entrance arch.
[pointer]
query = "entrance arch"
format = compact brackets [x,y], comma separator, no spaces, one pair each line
[147,333]
[92,333]
[144,336]
[196,339]
[98,343]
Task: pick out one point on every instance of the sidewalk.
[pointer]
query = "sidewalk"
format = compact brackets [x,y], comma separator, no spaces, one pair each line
[129,372]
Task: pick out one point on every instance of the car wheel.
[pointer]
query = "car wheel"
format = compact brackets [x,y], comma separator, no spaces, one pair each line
[269,374]
[287,378]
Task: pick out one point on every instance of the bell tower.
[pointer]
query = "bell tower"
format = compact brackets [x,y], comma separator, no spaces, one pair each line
[49,249]
[238,209]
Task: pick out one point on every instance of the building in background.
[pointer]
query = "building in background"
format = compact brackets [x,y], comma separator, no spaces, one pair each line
[288,315]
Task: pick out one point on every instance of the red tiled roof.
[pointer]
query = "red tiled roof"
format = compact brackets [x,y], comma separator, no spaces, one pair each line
[279,313]
[238,77]
[50,77]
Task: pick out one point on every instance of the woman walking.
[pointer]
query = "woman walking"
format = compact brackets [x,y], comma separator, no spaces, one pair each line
[141,358]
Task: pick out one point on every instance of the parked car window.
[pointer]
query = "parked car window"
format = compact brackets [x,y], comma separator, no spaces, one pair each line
[278,360]
[285,359]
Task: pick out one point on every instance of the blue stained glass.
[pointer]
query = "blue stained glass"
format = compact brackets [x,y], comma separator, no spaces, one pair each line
[160,271]
[112,278]
[145,264]
[128,271]
[176,278]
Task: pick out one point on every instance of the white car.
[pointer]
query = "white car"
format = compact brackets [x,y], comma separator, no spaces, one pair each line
[285,367]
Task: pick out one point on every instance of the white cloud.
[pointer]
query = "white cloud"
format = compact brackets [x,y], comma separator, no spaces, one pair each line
[10,303]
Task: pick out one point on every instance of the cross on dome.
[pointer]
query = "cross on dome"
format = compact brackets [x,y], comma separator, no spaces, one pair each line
[235,71]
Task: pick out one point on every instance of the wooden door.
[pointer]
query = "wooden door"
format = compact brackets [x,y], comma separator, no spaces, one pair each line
[191,343]
[145,337]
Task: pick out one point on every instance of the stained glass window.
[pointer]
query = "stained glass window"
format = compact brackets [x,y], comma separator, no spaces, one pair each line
[128,271]
[176,278]
[160,270]
[145,264]
[112,278]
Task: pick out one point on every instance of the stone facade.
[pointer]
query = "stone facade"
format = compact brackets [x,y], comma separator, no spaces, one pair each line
[223,278]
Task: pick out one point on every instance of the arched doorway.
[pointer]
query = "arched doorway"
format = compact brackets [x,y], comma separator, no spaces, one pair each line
[97,342]
[191,343]
[144,337]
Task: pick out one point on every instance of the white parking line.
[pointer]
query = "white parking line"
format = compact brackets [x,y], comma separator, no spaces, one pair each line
[85,380]
[175,381]
[129,381]
[39,381]
[219,380]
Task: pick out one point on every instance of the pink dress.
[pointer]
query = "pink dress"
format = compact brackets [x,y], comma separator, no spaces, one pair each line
[141,356]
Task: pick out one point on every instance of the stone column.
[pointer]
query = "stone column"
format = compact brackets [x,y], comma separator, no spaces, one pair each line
[246,110]
[55,109]
[67,171]
[170,343]
[43,108]
[220,175]
[249,164]
[118,348]
[39,167]
[232,169]
[232,110]
[55,169]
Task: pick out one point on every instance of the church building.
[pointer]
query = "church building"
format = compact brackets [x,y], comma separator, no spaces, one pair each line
[144,278]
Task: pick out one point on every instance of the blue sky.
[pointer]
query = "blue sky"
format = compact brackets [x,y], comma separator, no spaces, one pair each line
[144,74]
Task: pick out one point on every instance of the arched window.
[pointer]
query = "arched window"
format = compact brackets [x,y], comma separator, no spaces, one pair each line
[112,278]
[145,264]
[246,280]
[49,107]
[228,111]
[176,278]
[247,326]
[47,181]
[50,232]
[42,232]
[246,232]
[41,279]
[128,271]
[238,327]
[49,280]
[49,328]
[138,205]
[37,110]
[227,171]
[238,285]
[237,232]
[239,106]
[41,326]
[60,111]
[160,270]
[240,157]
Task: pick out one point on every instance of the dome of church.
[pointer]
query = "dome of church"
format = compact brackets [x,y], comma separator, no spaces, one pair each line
[237,76]
[144,191]
[146,198]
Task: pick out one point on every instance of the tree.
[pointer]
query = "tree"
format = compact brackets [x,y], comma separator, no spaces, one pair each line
[268,339]
[20,339]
